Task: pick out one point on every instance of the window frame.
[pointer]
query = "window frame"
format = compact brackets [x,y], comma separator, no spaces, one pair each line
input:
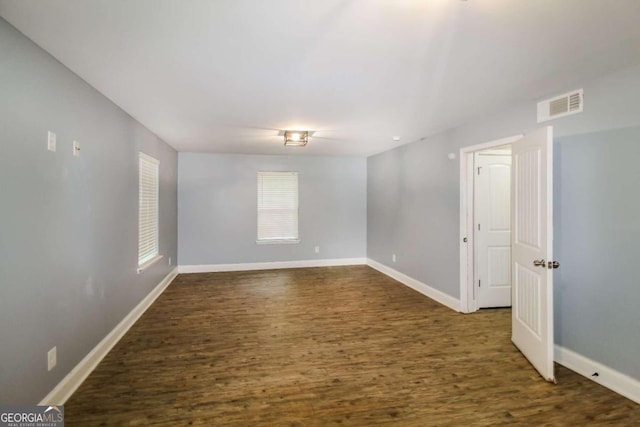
[148,169]
[260,183]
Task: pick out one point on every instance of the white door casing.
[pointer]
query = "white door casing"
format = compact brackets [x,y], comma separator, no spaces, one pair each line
[468,294]
[532,240]
[492,211]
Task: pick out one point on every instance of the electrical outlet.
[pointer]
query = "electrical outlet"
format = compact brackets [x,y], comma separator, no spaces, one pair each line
[76,149]
[317,249]
[52,358]
[393,258]
[51,141]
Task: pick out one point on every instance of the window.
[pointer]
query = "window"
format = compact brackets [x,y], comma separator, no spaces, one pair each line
[147,209]
[278,207]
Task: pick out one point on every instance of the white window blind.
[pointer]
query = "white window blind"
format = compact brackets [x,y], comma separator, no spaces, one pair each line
[148,208]
[277,206]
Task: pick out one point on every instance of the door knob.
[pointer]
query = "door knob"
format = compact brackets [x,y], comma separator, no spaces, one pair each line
[553,264]
[539,263]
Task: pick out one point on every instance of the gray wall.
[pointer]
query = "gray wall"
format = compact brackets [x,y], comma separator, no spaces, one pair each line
[411,194]
[68,236]
[597,235]
[413,210]
[217,205]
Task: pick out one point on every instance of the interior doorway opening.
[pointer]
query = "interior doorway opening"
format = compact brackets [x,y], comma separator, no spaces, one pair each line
[485,230]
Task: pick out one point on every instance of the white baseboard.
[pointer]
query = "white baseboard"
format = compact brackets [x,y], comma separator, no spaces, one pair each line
[417,285]
[71,382]
[607,377]
[215,268]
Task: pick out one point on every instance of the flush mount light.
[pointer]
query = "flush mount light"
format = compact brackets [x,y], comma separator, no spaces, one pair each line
[296,138]
[396,138]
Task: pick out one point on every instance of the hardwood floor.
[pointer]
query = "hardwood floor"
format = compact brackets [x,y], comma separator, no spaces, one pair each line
[326,346]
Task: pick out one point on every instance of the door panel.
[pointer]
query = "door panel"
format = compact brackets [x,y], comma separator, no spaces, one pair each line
[499,271]
[532,240]
[492,211]
[528,298]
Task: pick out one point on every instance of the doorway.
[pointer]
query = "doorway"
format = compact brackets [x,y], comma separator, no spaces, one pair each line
[485,255]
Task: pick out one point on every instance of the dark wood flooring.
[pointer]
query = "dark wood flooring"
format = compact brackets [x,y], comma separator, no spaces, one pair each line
[326,346]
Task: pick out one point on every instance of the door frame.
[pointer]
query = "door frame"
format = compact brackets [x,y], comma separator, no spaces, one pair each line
[469,304]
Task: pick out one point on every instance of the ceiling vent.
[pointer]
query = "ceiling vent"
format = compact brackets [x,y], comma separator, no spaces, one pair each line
[560,106]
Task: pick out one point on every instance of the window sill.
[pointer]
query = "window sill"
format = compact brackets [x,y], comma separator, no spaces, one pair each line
[278,242]
[146,265]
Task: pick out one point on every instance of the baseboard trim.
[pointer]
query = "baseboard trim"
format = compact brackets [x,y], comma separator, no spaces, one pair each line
[73,380]
[607,377]
[215,268]
[417,285]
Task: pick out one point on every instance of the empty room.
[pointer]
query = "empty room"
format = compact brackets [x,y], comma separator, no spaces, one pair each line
[337,212]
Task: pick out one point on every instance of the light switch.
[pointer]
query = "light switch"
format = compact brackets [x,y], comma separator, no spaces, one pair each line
[76,149]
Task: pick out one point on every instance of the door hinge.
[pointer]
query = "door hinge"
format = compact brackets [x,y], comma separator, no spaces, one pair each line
[479,167]
[479,283]
[465,240]
[478,227]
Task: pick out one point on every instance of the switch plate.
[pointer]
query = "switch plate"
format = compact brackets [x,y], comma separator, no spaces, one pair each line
[51,141]
[393,257]
[52,358]
[76,149]
[317,249]
[169,260]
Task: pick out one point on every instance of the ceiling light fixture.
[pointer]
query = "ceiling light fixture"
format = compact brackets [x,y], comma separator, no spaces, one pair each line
[296,138]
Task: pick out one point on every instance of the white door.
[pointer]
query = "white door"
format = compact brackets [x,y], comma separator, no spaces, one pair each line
[492,211]
[531,249]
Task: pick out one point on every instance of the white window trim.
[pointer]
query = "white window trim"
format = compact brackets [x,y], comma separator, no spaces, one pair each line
[149,263]
[277,241]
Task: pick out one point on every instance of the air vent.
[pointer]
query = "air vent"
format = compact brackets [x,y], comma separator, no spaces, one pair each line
[560,106]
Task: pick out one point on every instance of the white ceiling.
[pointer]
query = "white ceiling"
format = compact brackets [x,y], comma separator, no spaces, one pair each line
[227,75]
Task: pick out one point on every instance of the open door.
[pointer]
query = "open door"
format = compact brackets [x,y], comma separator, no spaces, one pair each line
[532,249]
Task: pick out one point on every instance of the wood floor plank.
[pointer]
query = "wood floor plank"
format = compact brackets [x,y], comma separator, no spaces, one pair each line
[326,346]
